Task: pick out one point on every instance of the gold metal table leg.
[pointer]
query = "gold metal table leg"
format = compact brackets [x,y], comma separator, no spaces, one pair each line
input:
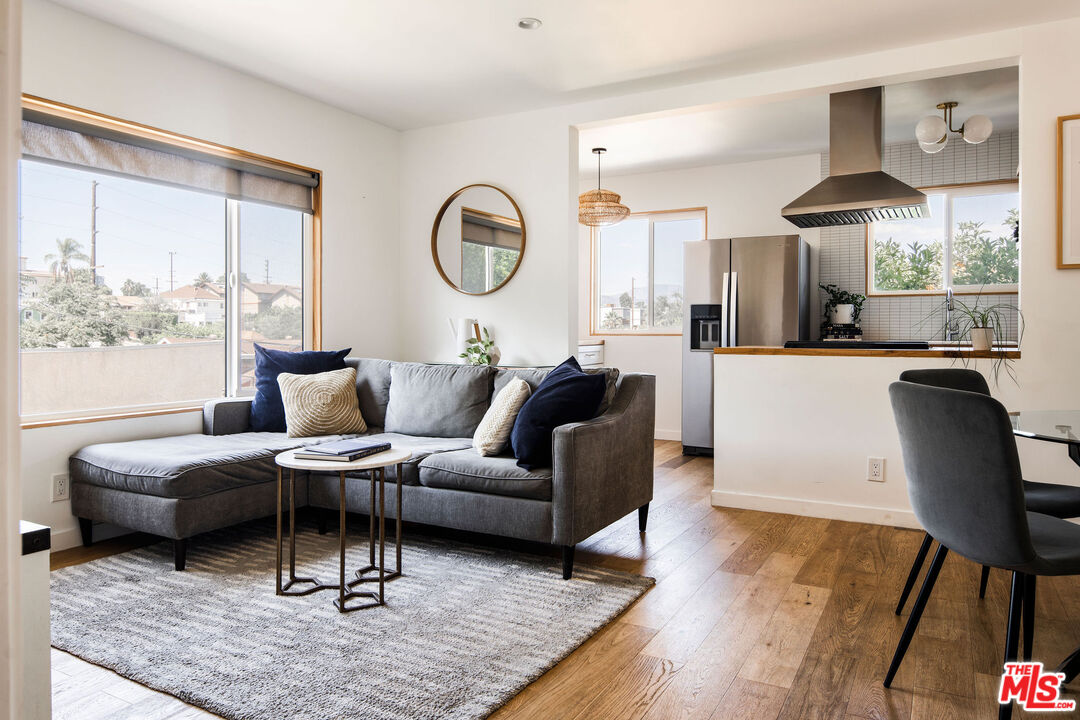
[314,585]
[361,574]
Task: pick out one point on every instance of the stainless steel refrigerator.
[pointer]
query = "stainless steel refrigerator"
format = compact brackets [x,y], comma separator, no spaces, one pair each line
[738,291]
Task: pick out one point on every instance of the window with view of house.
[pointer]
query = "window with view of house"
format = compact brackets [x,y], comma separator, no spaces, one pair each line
[968,243]
[637,283]
[139,292]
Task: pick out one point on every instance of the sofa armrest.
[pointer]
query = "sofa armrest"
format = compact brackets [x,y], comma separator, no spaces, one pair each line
[603,468]
[226,416]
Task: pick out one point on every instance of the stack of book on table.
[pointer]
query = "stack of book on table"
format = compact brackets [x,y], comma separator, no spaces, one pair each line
[342,450]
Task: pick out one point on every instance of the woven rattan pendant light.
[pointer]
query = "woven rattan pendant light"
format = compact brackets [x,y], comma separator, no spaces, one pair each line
[599,207]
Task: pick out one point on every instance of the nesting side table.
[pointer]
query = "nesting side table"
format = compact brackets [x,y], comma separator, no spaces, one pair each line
[377,465]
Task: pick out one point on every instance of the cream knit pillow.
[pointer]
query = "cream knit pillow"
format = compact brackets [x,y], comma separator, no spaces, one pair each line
[494,430]
[321,404]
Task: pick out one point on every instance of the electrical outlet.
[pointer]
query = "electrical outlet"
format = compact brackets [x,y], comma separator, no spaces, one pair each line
[875,469]
[61,487]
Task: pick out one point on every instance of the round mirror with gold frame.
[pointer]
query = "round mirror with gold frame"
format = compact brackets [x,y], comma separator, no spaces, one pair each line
[478,239]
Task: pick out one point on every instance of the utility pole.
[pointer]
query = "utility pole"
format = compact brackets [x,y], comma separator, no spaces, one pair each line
[172,273]
[93,232]
[266,267]
[157,285]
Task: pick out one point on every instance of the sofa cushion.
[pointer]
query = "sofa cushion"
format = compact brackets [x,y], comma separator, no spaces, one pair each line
[321,404]
[499,475]
[567,395]
[185,466]
[535,376]
[437,400]
[420,447]
[372,388]
[267,412]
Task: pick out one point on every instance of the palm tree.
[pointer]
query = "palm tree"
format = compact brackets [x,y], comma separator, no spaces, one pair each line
[68,250]
[203,280]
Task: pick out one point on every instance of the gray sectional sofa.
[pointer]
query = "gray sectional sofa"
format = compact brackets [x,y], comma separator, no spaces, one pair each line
[178,487]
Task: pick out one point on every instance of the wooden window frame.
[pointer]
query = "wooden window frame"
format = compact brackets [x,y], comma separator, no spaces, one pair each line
[869,238]
[312,276]
[594,269]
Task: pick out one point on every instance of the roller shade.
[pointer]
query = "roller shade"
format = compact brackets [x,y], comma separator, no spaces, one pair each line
[491,230]
[159,162]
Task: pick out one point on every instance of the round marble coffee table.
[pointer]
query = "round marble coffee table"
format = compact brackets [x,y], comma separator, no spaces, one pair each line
[377,465]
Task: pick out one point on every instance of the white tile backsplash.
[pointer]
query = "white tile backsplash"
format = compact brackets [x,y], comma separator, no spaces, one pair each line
[842,254]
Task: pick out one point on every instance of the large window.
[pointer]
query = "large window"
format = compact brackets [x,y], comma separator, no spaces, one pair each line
[637,284]
[969,243]
[137,295]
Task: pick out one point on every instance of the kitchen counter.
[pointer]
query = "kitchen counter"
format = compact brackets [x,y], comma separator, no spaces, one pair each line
[933,352]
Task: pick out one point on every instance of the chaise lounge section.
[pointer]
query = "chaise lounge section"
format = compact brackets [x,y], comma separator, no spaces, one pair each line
[178,487]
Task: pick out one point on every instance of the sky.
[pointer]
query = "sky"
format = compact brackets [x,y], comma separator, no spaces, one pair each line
[140,222]
[624,254]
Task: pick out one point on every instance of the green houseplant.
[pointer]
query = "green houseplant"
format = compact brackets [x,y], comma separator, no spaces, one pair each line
[481,352]
[842,307]
[982,322]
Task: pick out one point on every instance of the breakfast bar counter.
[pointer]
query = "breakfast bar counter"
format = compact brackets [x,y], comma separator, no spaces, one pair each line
[943,351]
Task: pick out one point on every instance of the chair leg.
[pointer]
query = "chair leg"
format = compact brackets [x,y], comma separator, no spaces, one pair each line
[567,561]
[642,517]
[916,612]
[982,581]
[1029,615]
[1012,633]
[180,553]
[86,529]
[920,558]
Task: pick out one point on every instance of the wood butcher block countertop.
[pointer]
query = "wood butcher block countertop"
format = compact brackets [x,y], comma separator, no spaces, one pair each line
[933,352]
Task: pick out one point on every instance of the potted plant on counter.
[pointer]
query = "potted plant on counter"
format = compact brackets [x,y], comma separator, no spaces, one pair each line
[842,307]
[983,323]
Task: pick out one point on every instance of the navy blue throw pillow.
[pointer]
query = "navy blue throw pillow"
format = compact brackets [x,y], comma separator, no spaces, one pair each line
[267,410]
[566,395]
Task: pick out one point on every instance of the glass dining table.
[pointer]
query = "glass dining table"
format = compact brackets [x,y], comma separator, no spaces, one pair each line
[1063,427]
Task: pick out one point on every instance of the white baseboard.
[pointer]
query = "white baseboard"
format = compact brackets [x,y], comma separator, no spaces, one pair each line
[667,434]
[71,537]
[816,508]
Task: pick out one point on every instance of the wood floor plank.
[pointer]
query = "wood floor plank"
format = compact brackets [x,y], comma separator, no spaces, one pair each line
[852,600]
[701,684]
[934,705]
[823,565]
[780,650]
[877,639]
[757,548]
[632,691]
[943,661]
[748,699]
[804,536]
[821,688]
[681,636]
[580,676]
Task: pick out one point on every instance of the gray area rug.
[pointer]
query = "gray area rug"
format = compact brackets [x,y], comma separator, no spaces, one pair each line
[463,631]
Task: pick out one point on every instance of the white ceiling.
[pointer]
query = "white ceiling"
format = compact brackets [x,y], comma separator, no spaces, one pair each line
[423,62]
[791,127]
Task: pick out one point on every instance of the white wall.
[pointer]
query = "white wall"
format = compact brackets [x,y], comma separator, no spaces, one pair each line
[529,318]
[74,59]
[742,199]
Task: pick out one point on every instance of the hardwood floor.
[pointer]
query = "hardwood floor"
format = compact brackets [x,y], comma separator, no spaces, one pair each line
[754,615]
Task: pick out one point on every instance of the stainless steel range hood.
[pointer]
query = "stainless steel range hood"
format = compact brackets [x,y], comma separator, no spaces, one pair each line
[856,191]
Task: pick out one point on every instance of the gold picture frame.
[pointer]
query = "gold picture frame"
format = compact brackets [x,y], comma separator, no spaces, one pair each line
[1068,192]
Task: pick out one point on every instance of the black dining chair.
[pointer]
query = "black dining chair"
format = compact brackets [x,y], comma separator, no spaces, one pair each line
[1062,501]
[966,489]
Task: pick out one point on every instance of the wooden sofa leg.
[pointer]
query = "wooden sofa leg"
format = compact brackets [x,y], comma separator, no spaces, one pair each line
[180,553]
[642,517]
[567,561]
[320,517]
[86,529]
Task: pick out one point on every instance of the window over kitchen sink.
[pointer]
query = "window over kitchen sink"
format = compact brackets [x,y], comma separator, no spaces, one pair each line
[637,272]
[969,243]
